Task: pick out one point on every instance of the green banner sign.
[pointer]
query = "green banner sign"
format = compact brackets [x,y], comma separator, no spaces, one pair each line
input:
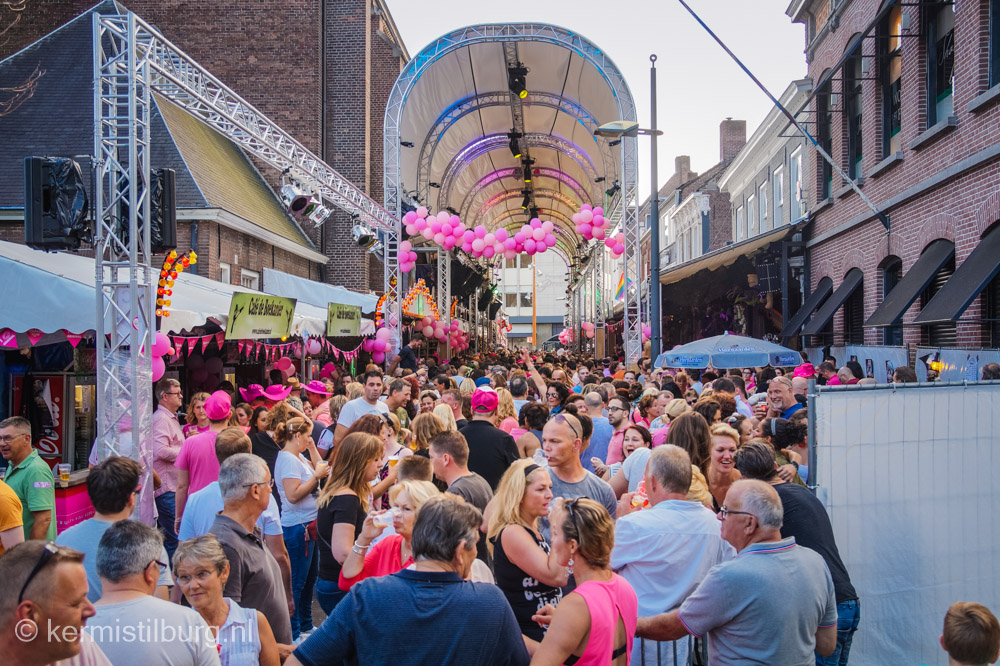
[343,320]
[259,316]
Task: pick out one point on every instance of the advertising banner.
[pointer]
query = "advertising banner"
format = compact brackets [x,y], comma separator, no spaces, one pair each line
[955,365]
[343,320]
[259,316]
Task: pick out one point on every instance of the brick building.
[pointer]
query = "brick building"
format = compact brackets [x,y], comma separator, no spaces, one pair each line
[905,100]
[321,69]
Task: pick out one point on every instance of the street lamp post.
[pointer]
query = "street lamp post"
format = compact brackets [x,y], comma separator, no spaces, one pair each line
[618,129]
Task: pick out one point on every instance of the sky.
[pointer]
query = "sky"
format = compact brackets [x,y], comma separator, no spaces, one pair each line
[698,84]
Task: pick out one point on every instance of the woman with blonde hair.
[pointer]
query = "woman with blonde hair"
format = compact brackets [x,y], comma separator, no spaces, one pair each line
[527,572]
[394,552]
[242,634]
[425,428]
[342,507]
[722,472]
[296,478]
[467,387]
[354,390]
[506,415]
[595,623]
[690,432]
[447,417]
[196,417]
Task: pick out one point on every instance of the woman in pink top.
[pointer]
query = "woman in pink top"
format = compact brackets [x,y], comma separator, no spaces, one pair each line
[506,414]
[594,625]
[196,418]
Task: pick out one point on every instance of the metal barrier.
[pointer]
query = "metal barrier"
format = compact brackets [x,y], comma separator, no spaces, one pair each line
[686,651]
[907,473]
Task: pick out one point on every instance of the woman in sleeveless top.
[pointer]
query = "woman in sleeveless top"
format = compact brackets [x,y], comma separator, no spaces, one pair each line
[594,625]
[525,569]
[531,420]
[243,634]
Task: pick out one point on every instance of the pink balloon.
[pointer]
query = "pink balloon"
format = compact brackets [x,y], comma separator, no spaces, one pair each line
[577,220]
[314,346]
[599,210]
[427,233]
[449,243]
[422,211]
[587,216]
[488,251]
[428,331]
[590,334]
[468,235]
[478,244]
[520,237]
[501,234]
[490,239]
[509,244]
[406,245]
[598,234]
[458,229]
[410,217]
[467,246]
[586,230]
[547,226]
[411,230]
[550,240]
[443,215]
[586,207]
[610,242]
[535,223]
[365,345]
[378,357]
[405,267]
[538,233]
[509,254]
[159,367]
[619,248]
[161,345]
[529,245]
[480,231]
[382,334]
[446,229]
[439,238]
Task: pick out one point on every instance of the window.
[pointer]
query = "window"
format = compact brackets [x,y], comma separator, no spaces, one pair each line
[853,78]
[890,53]
[510,300]
[854,317]
[778,197]
[526,300]
[751,227]
[510,263]
[938,335]
[795,180]
[891,275]
[249,279]
[992,310]
[940,35]
[994,42]
[824,135]
[526,260]
[741,230]
[762,198]
[225,273]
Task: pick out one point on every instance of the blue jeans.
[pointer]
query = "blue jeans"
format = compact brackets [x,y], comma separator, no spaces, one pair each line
[328,594]
[165,510]
[302,554]
[848,618]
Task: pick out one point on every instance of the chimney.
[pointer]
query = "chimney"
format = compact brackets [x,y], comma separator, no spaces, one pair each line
[682,167]
[732,138]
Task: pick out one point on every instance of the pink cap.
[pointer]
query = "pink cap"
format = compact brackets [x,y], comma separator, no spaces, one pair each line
[804,370]
[485,399]
[218,406]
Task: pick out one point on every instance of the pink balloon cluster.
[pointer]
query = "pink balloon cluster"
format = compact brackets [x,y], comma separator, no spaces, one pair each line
[457,338]
[616,244]
[407,257]
[433,329]
[647,332]
[588,328]
[161,348]
[447,231]
[378,345]
[565,337]
[286,366]
[590,222]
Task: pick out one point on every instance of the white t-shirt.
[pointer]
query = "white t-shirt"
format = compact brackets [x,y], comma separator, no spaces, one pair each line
[355,409]
[201,508]
[289,466]
[90,654]
[154,632]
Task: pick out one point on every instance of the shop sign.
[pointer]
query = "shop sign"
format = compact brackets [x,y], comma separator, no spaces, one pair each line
[343,320]
[259,316]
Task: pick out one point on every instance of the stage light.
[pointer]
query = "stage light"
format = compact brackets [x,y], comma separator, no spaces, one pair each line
[613,190]
[362,235]
[435,185]
[516,80]
[406,144]
[527,174]
[320,214]
[515,149]
[526,202]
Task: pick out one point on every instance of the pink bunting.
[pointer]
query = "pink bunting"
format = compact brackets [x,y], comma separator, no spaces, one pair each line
[8,338]
[220,337]
[73,338]
[241,345]
[191,342]
[205,339]
[34,335]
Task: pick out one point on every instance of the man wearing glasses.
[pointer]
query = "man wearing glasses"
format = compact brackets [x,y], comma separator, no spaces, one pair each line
[113,488]
[618,418]
[168,438]
[30,478]
[774,604]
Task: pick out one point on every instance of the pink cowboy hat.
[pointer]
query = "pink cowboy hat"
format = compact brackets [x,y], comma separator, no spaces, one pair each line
[316,387]
[252,392]
[276,392]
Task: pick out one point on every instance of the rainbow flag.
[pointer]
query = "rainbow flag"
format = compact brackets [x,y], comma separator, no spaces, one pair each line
[620,291]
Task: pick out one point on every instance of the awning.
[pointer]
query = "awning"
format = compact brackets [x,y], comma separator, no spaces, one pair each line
[797,320]
[47,291]
[899,300]
[723,256]
[851,282]
[966,284]
[278,283]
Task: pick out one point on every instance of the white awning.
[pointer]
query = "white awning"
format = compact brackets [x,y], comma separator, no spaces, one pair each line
[278,283]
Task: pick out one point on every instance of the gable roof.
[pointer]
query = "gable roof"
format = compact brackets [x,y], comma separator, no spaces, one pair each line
[57,119]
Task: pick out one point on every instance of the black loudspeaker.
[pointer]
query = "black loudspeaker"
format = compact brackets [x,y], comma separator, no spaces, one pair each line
[162,211]
[484,299]
[55,204]
[494,308]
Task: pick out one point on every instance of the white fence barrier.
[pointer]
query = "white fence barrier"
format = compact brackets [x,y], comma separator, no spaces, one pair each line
[908,475]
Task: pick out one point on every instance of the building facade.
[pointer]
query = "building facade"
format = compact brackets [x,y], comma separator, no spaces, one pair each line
[538,280]
[906,103]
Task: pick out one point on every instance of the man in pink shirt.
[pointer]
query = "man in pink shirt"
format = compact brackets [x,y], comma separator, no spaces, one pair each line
[196,463]
[167,441]
[618,418]
[319,398]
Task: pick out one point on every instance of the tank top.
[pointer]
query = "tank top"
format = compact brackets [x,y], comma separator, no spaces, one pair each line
[239,641]
[606,601]
[525,594]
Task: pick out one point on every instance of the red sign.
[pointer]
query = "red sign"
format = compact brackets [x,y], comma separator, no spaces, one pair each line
[46,411]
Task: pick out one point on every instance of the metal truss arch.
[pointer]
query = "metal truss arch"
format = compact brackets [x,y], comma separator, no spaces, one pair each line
[511,172]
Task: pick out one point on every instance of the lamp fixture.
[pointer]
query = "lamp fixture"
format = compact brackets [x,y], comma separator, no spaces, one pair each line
[613,190]
[406,144]
[527,200]
[516,80]
[435,185]
[363,236]
[515,149]
[615,142]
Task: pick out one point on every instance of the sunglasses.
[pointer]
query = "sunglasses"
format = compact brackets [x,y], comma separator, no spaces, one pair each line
[50,551]
[574,424]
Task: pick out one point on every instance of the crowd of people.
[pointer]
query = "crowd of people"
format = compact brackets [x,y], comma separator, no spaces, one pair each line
[498,509]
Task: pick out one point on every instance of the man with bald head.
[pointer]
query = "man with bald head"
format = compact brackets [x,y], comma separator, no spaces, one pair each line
[603,430]
[773,604]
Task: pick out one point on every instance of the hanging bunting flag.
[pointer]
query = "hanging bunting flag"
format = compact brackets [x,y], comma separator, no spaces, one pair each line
[242,344]
[205,339]
[220,337]
[191,343]
[34,335]
[73,338]
[8,338]
[178,344]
